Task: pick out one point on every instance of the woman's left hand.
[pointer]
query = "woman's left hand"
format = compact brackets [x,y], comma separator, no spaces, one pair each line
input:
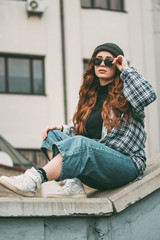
[121,63]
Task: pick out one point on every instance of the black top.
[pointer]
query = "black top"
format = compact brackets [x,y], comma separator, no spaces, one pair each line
[94,121]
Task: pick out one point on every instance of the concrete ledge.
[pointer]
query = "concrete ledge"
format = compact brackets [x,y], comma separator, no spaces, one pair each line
[138,222]
[98,203]
[38,207]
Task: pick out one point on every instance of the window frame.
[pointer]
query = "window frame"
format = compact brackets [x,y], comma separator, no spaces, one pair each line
[109,6]
[30,58]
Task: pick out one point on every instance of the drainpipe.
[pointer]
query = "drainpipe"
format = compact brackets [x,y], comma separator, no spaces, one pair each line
[63,61]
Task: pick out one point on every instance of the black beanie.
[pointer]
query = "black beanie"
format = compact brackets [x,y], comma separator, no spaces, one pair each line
[109,47]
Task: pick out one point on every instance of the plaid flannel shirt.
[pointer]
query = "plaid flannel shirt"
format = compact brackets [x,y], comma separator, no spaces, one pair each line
[131,138]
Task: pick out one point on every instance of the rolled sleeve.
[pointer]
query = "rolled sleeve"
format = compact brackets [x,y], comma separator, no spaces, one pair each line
[137,90]
[68,130]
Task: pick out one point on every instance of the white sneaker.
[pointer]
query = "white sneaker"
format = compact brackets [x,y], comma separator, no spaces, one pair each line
[72,188]
[24,184]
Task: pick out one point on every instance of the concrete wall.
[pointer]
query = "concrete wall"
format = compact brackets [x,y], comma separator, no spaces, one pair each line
[28,115]
[139,221]
[156,36]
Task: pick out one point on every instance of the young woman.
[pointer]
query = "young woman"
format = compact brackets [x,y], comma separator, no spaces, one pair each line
[105,147]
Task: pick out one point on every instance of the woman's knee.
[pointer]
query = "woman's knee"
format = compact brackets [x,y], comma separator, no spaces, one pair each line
[50,137]
[52,134]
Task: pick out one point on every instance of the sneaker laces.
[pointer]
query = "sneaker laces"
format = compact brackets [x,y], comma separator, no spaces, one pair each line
[68,180]
[34,175]
[70,184]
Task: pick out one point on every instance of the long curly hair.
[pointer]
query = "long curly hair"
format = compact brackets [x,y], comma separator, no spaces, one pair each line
[116,108]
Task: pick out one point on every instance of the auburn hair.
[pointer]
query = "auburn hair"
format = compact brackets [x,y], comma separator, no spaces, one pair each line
[116,108]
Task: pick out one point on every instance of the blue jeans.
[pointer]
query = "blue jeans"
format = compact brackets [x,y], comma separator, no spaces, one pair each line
[95,164]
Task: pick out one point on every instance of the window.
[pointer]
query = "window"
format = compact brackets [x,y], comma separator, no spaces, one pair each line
[21,74]
[2,74]
[85,63]
[115,5]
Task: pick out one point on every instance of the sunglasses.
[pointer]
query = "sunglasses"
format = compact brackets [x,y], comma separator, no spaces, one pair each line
[107,62]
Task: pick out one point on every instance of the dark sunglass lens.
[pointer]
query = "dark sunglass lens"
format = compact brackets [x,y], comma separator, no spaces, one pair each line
[108,62]
[97,61]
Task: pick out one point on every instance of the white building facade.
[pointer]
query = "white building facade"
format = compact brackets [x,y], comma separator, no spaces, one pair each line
[42,60]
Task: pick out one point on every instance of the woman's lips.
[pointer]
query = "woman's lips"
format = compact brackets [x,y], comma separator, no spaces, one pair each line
[102,70]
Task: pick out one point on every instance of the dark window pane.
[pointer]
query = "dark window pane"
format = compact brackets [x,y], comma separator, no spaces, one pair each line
[2,75]
[101,4]
[19,75]
[85,63]
[38,76]
[86,3]
[116,4]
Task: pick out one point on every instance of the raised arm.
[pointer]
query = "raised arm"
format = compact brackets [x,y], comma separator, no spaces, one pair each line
[137,90]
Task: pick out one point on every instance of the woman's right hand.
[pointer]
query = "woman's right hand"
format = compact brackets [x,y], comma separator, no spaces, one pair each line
[51,128]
